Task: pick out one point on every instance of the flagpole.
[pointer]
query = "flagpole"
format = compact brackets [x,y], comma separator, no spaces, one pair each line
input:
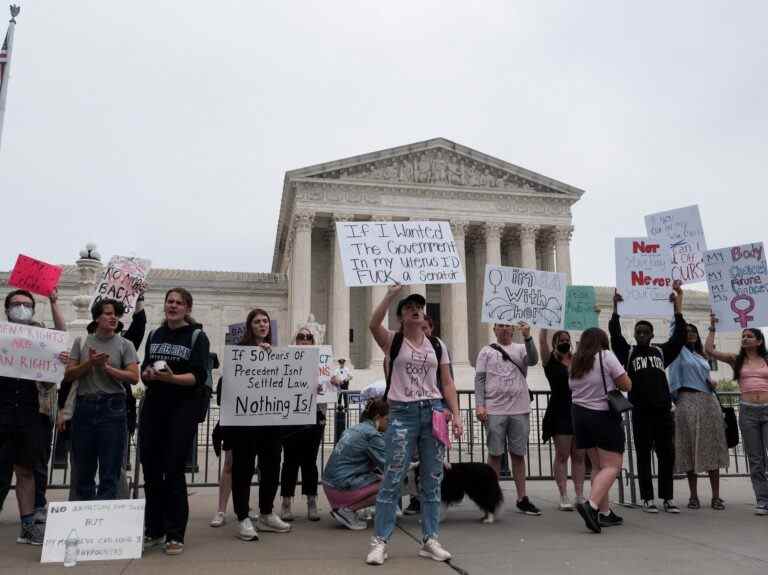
[7,68]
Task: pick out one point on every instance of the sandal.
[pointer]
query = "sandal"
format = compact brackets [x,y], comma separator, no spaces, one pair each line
[718,503]
[693,503]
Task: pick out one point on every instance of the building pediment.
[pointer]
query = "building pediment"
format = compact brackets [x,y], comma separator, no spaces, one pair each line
[437,162]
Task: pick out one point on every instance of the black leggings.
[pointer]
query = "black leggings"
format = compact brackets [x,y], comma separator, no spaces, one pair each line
[166,432]
[300,450]
[247,445]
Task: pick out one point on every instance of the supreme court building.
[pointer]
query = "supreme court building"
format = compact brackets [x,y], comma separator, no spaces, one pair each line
[499,213]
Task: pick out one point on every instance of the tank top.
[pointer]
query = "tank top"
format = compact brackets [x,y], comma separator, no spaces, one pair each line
[753,379]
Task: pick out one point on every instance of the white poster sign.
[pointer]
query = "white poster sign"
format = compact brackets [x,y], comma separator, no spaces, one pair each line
[94,530]
[642,278]
[327,392]
[124,279]
[514,295]
[681,234]
[380,253]
[32,353]
[274,386]
[738,286]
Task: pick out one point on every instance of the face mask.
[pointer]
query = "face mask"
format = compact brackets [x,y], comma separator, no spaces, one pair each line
[563,347]
[20,313]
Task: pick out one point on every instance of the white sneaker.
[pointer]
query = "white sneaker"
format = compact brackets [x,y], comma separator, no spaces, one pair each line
[377,553]
[761,509]
[579,499]
[565,504]
[247,530]
[218,520]
[273,524]
[649,506]
[434,550]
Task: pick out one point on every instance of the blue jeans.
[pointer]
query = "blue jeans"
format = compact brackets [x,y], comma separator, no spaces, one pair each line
[410,428]
[99,437]
[753,421]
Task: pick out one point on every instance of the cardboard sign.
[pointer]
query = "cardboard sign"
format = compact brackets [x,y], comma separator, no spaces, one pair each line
[681,234]
[514,295]
[124,279]
[738,286]
[269,387]
[29,352]
[326,391]
[642,278]
[96,530]
[35,276]
[381,253]
[580,303]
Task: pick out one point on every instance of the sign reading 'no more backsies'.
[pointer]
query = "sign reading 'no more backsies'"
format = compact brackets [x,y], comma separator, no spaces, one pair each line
[275,386]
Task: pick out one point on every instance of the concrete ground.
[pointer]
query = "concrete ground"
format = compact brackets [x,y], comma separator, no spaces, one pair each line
[704,541]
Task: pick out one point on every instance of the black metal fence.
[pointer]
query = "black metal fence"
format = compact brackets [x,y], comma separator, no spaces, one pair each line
[204,468]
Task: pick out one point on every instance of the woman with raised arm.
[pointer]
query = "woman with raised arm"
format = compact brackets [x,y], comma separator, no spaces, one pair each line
[750,369]
[699,430]
[422,398]
[558,421]
[594,372]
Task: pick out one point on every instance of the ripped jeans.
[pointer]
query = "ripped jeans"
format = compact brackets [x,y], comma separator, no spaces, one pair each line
[410,428]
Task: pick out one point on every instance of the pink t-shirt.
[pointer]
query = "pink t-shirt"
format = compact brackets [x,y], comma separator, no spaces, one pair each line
[506,390]
[588,391]
[414,373]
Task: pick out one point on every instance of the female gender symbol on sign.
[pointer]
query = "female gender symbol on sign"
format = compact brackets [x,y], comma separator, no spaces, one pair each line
[742,315]
[495,278]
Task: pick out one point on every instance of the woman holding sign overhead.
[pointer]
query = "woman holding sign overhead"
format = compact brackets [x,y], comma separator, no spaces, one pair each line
[264,442]
[175,371]
[422,399]
[750,369]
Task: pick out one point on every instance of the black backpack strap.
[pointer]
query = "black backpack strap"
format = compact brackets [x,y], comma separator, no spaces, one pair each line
[394,350]
[506,357]
[436,345]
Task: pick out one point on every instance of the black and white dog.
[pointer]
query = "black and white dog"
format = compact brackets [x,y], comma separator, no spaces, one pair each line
[477,481]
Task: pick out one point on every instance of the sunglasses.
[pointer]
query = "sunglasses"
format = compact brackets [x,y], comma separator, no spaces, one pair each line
[305,337]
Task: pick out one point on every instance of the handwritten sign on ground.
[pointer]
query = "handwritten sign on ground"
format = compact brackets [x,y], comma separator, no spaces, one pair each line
[124,279]
[681,234]
[514,295]
[269,387]
[642,278]
[738,286]
[34,276]
[380,253]
[99,530]
[29,352]
[580,303]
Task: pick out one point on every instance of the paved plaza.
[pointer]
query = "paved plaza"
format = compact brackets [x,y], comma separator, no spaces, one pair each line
[705,541]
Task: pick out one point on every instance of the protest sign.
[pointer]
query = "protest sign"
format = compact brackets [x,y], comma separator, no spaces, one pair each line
[236,332]
[34,276]
[642,278]
[274,386]
[124,279]
[96,530]
[580,303]
[514,295]
[738,286]
[681,234]
[327,392]
[380,253]
[29,352]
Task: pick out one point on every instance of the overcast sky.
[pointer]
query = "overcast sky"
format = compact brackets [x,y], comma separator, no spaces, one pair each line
[163,129]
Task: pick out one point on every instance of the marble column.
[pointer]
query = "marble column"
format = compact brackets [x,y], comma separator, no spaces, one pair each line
[458,329]
[563,250]
[301,272]
[493,233]
[375,295]
[511,248]
[547,249]
[339,298]
[528,245]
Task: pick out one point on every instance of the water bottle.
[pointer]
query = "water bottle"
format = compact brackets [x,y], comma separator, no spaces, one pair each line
[70,549]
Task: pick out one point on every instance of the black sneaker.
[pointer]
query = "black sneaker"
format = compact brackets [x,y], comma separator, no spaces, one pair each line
[610,520]
[649,506]
[590,516]
[525,506]
[31,534]
[670,507]
[414,507]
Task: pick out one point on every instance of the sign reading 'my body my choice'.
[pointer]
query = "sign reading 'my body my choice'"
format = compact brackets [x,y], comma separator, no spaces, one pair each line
[738,286]
[381,253]
[274,386]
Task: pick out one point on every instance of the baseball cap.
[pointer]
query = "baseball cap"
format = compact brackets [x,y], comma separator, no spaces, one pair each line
[416,298]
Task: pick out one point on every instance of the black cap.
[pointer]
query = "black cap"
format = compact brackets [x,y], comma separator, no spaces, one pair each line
[416,298]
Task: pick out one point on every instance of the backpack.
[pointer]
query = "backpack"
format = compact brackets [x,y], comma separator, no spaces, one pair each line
[394,351]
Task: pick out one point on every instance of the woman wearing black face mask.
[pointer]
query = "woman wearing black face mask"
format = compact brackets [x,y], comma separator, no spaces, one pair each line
[558,423]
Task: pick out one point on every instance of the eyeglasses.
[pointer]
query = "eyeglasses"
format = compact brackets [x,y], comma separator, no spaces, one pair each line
[25,304]
[304,337]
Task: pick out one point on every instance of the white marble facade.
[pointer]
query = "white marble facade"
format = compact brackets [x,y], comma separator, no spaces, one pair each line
[499,214]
